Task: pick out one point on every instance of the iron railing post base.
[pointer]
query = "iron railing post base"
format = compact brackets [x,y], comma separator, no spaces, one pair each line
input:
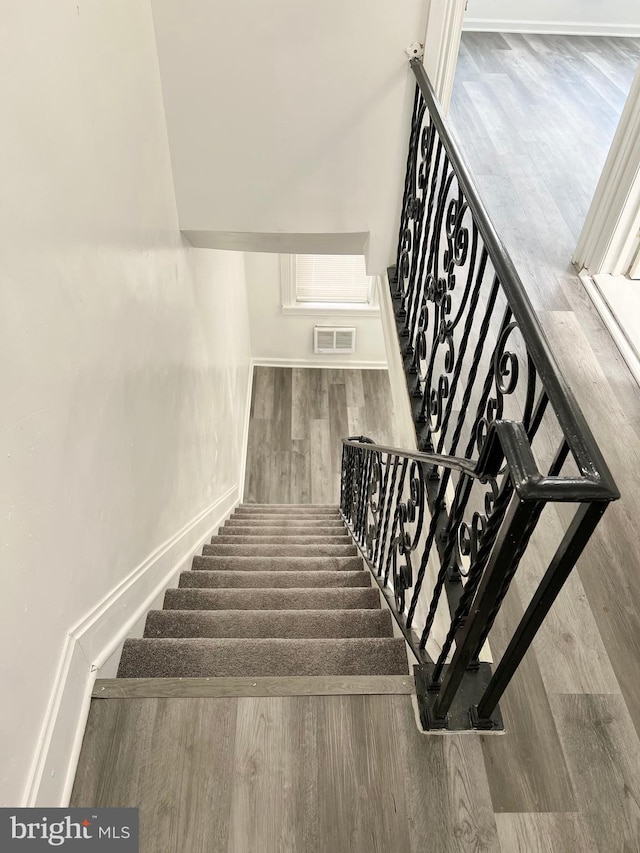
[493,724]
[462,716]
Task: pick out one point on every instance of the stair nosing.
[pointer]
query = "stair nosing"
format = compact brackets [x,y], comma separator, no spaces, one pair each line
[239,686]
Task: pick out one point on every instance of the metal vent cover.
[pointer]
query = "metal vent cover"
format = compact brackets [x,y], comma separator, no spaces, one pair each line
[334,339]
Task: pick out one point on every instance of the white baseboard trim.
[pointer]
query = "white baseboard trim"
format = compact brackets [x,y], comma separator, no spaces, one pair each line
[567,28]
[320,362]
[610,318]
[94,640]
[245,432]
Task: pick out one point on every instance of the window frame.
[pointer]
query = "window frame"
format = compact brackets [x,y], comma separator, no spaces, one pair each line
[290,304]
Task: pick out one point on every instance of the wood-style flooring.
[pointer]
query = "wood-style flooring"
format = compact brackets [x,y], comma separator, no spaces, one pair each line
[299,417]
[303,774]
[535,116]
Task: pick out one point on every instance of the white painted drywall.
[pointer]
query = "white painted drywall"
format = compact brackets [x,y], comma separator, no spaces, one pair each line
[277,337]
[606,17]
[124,356]
[289,116]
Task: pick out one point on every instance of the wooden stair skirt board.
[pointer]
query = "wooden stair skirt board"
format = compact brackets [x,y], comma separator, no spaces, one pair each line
[280,603]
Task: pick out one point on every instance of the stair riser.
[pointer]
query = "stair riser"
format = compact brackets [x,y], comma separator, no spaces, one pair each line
[287,509]
[280,550]
[308,541]
[235,658]
[281,564]
[288,532]
[288,516]
[303,624]
[272,580]
[272,599]
[286,522]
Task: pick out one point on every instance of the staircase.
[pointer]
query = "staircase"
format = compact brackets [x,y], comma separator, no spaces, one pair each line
[281,591]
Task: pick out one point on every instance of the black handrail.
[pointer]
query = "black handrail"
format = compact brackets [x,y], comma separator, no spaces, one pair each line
[467,503]
[455,463]
[576,430]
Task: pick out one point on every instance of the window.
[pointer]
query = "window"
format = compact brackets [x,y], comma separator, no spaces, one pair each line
[327,284]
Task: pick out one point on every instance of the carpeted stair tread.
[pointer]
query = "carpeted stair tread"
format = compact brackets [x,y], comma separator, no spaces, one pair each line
[299,520]
[211,658]
[290,521]
[278,564]
[281,591]
[283,513]
[257,579]
[309,541]
[284,550]
[336,533]
[288,624]
[287,509]
[326,598]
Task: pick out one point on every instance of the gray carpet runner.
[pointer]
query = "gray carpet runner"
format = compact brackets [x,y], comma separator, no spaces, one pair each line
[280,591]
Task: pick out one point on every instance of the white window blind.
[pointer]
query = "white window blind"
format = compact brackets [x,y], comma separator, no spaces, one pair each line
[331,278]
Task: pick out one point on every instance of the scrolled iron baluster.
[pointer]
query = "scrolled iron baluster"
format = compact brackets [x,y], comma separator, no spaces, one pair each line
[440,499]
[440,181]
[506,371]
[506,375]
[374,489]
[401,575]
[346,473]
[439,283]
[415,502]
[379,557]
[461,496]
[463,486]
[383,513]
[415,208]
[475,574]
[411,512]
[419,107]
[363,476]
[421,350]
[355,488]
[436,406]
[469,536]
[455,255]
[392,545]
[429,179]
[404,265]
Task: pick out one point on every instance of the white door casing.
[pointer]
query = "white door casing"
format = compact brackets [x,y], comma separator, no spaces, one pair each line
[609,241]
[442,45]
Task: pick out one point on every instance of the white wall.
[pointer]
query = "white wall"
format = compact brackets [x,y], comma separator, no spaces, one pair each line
[124,356]
[597,17]
[289,116]
[288,339]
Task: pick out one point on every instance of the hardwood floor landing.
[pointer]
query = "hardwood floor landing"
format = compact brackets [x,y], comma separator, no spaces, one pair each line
[298,418]
[329,774]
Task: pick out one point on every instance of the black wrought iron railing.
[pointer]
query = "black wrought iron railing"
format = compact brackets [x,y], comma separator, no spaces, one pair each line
[503,445]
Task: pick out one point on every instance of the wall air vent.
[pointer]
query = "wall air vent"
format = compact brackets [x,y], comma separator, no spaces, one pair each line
[334,339]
